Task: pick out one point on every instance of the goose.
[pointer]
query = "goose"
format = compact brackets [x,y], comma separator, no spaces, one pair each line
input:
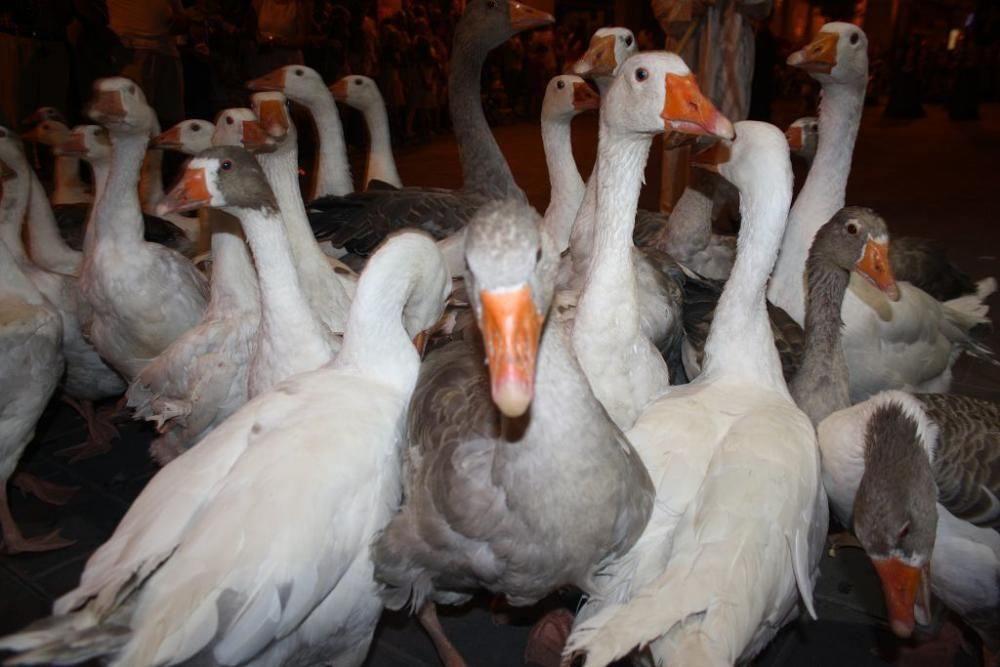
[197,382]
[609,47]
[362,93]
[151,186]
[740,516]
[92,144]
[327,283]
[88,378]
[621,308]
[910,343]
[31,363]
[305,86]
[489,502]
[51,130]
[359,222]
[918,473]
[143,295]
[803,138]
[206,565]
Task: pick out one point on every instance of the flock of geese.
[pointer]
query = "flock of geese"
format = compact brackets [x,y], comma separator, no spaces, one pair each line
[603,398]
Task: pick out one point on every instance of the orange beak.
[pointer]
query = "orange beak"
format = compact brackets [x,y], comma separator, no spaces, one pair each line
[875,267]
[255,139]
[107,106]
[688,111]
[32,135]
[712,157]
[599,60]
[191,192]
[74,146]
[339,89]
[170,140]
[584,97]
[511,329]
[523,17]
[794,136]
[273,118]
[819,56]
[901,585]
[420,342]
[274,81]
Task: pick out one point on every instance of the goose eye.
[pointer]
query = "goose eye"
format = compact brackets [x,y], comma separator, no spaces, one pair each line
[226,165]
[229,120]
[358,82]
[195,127]
[852,228]
[904,531]
[538,256]
[298,72]
[641,74]
[131,90]
[854,38]
[560,85]
[628,40]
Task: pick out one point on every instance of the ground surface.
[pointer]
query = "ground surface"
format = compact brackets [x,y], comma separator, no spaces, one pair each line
[929,177]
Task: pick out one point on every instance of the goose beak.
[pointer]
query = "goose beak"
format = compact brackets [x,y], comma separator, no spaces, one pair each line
[255,139]
[273,120]
[599,60]
[32,135]
[6,173]
[523,17]
[819,56]
[511,329]
[170,140]
[191,192]
[713,156]
[584,97]
[339,90]
[874,266]
[901,584]
[688,111]
[420,342]
[272,81]
[107,106]
[794,136]
[73,147]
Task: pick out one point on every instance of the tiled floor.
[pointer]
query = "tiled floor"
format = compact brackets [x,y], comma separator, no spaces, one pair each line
[929,177]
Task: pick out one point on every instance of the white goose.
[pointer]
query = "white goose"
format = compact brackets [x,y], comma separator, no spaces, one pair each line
[910,343]
[201,379]
[31,364]
[51,130]
[609,47]
[740,517]
[206,564]
[362,93]
[143,295]
[305,86]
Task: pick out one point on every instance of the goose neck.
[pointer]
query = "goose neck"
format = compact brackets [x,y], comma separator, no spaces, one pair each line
[333,174]
[67,173]
[234,281]
[118,214]
[381,163]
[567,187]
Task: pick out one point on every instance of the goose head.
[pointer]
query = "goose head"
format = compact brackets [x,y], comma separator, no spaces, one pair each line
[759,148]
[838,54]
[426,302]
[609,48]
[486,24]
[50,131]
[271,109]
[89,142]
[566,96]
[188,136]
[224,177]
[358,92]
[655,92]
[510,278]
[298,83]
[856,239]
[120,105]
[895,510]
[803,137]
[239,126]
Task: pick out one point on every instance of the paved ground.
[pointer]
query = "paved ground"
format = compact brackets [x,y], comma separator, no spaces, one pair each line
[929,177]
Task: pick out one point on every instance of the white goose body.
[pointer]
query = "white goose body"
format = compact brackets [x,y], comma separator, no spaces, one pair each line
[740,516]
[362,93]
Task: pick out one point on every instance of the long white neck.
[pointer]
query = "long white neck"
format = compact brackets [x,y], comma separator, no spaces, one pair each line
[13,207]
[48,249]
[234,280]
[333,171]
[821,196]
[101,168]
[740,344]
[381,163]
[117,215]
[581,237]
[290,340]
[567,187]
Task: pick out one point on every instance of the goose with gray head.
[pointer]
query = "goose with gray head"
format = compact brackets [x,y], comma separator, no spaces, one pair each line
[498,453]
[362,93]
[143,295]
[909,343]
[740,516]
[803,138]
[201,378]
[31,364]
[261,534]
[357,223]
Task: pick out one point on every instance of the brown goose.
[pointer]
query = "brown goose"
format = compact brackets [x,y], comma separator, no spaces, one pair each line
[497,457]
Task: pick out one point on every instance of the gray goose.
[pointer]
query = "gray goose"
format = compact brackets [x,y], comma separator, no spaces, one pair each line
[919,473]
[360,221]
[497,457]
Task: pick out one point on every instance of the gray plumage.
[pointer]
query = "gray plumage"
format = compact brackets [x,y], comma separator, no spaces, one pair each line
[925,264]
[518,506]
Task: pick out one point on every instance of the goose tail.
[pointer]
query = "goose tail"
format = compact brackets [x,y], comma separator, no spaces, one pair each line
[69,639]
[971,314]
